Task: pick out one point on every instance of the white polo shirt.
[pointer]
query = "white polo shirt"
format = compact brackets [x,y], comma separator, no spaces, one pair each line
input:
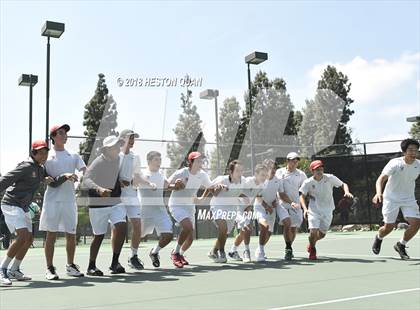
[253,189]
[229,197]
[269,191]
[401,180]
[58,163]
[152,202]
[129,165]
[292,181]
[321,193]
[194,182]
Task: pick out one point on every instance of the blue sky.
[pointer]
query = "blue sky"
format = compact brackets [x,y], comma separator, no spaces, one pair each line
[375,43]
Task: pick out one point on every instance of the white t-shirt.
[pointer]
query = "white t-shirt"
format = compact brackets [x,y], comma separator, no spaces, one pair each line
[229,197]
[269,191]
[253,190]
[129,165]
[194,182]
[321,193]
[401,180]
[58,163]
[292,181]
[152,202]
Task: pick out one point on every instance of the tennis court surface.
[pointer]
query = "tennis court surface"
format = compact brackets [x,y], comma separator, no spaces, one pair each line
[346,276]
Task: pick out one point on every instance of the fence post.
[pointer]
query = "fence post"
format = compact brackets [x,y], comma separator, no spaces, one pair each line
[367,186]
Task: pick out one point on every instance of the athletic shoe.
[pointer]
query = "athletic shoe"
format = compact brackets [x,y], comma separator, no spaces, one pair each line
[288,254]
[213,255]
[74,271]
[51,274]
[246,258]
[235,256]
[176,260]
[400,248]
[222,257]
[18,275]
[135,263]
[183,260]
[155,259]
[259,256]
[312,252]
[116,269]
[376,247]
[94,272]
[4,278]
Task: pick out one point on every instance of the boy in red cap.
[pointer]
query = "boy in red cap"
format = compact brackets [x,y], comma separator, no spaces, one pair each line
[185,183]
[319,213]
[59,210]
[21,184]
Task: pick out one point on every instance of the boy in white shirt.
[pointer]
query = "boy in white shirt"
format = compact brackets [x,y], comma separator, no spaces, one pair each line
[253,185]
[401,174]
[319,190]
[293,179]
[153,211]
[267,207]
[130,176]
[59,211]
[185,183]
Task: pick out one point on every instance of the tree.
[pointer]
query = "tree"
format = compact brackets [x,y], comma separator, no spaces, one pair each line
[415,131]
[273,120]
[100,119]
[188,133]
[229,122]
[339,83]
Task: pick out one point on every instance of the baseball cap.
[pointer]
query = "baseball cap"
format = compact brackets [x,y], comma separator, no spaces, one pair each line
[127,133]
[57,127]
[110,141]
[316,164]
[39,144]
[193,155]
[293,155]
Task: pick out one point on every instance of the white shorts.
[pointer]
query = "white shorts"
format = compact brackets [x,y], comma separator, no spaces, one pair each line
[131,202]
[16,218]
[243,219]
[180,213]
[296,216]
[282,213]
[319,221]
[261,214]
[59,217]
[132,211]
[101,217]
[226,213]
[162,223]
[390,211]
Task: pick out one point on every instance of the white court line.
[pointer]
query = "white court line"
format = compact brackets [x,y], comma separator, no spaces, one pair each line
[347,299]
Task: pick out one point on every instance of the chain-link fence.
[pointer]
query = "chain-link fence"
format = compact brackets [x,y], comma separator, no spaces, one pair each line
[359,168]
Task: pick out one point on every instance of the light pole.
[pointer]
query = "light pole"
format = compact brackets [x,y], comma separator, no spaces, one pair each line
[54,30]
[254,58]
[210,94]
[29,80]
[413,119]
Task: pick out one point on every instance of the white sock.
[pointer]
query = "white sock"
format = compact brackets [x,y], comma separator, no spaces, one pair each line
[178,247]
[156,249]
[247,247]
[133,251]
[181,251]
[403,242]
[234,248]
[16,264]
[261,247]
[6,261]
[379,237]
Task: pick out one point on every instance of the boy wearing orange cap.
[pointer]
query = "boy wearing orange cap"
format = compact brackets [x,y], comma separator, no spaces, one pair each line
[319,212]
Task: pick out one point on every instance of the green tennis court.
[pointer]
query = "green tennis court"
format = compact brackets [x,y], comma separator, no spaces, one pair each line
[346,276]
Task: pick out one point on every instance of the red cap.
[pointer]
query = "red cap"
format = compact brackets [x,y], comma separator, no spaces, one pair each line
[39,144]
[57,127]
[193,155]
[316,164]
